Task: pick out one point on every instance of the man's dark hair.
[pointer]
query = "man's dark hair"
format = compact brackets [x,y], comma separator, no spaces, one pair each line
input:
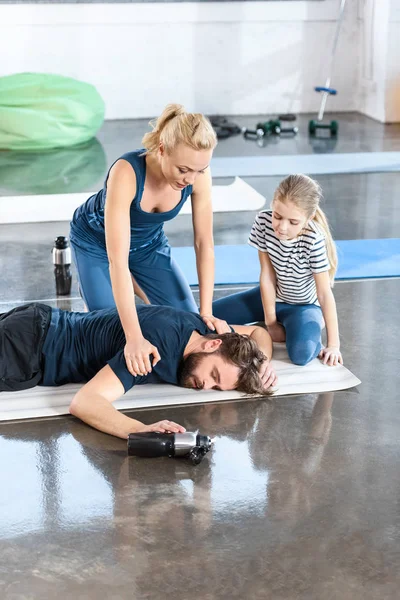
[243,352]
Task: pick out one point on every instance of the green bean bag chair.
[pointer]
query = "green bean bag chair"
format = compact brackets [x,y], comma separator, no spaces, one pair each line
[41,111]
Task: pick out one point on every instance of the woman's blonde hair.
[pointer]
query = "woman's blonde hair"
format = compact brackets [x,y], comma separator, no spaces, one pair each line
[175,126]
[306,194]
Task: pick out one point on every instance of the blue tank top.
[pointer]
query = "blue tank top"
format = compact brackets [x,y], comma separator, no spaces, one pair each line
[146,227]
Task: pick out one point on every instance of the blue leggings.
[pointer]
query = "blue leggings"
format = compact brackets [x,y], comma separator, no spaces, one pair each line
[153,268]
[302,322]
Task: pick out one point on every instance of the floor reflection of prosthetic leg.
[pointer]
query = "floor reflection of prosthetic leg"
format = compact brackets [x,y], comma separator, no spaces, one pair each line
[292,453]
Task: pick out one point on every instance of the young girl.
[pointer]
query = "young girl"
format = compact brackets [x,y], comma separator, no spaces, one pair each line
[298,264]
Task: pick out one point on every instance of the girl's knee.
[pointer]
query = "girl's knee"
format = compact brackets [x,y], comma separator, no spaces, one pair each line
[301,353]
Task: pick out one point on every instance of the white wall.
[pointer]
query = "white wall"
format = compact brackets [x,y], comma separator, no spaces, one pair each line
[379,77]
[392,88]
[226,58]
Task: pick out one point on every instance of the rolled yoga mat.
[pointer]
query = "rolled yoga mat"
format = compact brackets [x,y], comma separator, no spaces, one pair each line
[358,259]
[236,196]
[52,401]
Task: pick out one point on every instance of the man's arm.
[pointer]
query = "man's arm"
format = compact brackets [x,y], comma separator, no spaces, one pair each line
[93,405]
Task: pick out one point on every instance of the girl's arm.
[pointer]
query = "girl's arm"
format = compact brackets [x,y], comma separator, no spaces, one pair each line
[268,297]
[263,340]
[260,335]
[331,354]
[121,189]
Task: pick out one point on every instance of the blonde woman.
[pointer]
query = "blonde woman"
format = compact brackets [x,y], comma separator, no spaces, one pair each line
[298,263]
[117,236]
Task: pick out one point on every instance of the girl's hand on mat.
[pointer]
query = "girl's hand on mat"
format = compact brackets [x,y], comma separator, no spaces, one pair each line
[218,325]
[137,356]
[277,332]
[163,427]
[331,356]
[268,375]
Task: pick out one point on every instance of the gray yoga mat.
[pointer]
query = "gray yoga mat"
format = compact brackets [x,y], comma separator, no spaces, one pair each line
[317,164]
[51,401]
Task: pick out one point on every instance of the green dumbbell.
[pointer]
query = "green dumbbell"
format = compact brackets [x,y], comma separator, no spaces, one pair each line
[274,127]
[313,126]
[271,127]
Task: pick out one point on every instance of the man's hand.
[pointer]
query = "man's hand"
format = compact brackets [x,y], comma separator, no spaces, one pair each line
[277,332]
[331,356]
[268,375]
[93,405]
[162,427]
[218,325]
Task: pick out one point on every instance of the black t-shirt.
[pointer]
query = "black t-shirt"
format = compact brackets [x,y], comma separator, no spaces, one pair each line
[78,345]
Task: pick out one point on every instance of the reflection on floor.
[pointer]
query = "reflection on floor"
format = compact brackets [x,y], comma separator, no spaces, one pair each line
[297,500]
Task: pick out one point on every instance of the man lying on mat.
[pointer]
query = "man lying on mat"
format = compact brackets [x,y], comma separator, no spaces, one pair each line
[44,346]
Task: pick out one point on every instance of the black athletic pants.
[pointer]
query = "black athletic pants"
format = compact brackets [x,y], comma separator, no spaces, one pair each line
[22,334]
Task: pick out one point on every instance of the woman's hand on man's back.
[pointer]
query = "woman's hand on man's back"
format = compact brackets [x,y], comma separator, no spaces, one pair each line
[137,356]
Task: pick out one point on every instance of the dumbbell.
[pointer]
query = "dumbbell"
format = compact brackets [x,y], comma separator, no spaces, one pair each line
[268,128]
[274,127]
[256,134]
[262,130]
[314,125]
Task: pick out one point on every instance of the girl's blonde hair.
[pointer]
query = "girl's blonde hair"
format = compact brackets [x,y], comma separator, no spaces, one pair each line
[306,194]
[175,126]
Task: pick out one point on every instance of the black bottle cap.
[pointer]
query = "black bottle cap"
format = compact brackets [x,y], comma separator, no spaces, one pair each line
[61,242]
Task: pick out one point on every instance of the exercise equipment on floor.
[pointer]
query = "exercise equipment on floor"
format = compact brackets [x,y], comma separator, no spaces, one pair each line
[223,127]
[268,128]
[190,445]
[326,90]
[287,117]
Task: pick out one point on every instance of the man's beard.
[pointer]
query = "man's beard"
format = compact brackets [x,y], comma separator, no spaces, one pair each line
[188,365]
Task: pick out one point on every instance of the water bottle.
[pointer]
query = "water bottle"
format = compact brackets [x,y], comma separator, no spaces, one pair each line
[150,445]
[62,265]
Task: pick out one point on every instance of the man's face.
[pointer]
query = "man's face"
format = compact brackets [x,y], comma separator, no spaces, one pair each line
[208,371]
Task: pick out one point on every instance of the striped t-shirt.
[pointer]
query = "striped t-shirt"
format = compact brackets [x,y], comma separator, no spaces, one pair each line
[294,261]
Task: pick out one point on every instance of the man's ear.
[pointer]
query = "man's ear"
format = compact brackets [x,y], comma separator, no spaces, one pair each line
[211,345]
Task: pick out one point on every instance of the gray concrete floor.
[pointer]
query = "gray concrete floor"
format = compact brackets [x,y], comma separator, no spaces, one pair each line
[298,499]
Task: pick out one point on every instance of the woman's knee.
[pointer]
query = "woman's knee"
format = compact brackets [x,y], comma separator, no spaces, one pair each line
[240,308]
[188,304]
[93,278]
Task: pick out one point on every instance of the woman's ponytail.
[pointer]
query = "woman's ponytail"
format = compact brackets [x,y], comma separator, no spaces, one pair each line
[175,126]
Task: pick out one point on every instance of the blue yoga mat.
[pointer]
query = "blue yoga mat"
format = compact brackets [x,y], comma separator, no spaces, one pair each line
[315,164]
[358,259]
